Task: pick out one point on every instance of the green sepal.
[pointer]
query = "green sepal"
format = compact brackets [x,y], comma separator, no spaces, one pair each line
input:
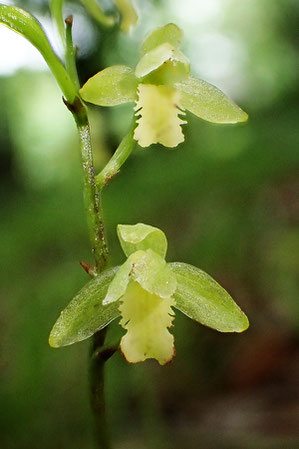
[201,298]
[85,314]
[119,283]
[154,59]
[22,22]
[128,15]
[149,270]
[169,33]
[141,237]
[112,86]
[208,102]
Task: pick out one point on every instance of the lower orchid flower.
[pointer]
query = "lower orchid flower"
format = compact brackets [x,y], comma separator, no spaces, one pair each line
[144,291]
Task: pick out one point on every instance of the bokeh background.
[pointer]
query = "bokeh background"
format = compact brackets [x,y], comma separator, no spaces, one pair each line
[227,199]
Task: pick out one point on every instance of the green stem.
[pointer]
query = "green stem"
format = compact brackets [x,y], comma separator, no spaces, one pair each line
[64,28]
[93,207]
[57,15]
[98,357]
[92,195]
[70,53]
[122,153]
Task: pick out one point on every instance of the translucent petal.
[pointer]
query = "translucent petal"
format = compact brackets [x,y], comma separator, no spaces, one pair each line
[159,121]
[85,314]
[141,237]
[201,298]
[155,58]
[152,273]
[112,86]
[208,102]
[119,283]
[169,33]
[147,318]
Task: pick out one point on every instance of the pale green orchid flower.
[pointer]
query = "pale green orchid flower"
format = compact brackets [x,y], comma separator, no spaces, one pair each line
[144,291]
[145,286]
[162,88]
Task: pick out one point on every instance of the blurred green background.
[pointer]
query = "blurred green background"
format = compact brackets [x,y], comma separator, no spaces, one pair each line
[228,201]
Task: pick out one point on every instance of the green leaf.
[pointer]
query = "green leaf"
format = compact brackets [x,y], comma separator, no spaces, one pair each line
[128,14]
[169,33]
[201,298]
[141,237]
[160,55]
[25,24]
[209,103]
[112,86]
[57,14]
[85,314]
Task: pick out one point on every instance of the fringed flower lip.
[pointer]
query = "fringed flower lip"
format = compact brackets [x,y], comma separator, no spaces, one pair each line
[144,292]
[145,286]
[162,88]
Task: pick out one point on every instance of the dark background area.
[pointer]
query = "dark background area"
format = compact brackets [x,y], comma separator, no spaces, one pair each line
[228,201]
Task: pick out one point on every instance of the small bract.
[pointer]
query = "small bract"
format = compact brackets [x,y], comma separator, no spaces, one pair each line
[162,88]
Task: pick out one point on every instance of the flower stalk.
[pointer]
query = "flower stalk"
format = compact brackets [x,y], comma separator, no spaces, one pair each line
[93,186]
[93,207]
[92,195]
[119,157]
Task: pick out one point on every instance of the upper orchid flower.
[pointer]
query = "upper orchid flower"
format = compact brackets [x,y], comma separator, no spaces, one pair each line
[162,88]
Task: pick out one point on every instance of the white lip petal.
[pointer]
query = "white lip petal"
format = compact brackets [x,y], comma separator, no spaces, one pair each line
[159,120]
[146,317]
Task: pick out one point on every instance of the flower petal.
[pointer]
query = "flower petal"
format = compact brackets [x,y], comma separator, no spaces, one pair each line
[201,298]
[141,237]
[146,317]
[158,56]
[119,283]
[208,102]
[159,121]
[152,273]
[112,86]
[169,33]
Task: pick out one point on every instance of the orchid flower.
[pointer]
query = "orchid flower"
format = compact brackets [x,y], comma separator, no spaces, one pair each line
[162,88]
[144,292]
